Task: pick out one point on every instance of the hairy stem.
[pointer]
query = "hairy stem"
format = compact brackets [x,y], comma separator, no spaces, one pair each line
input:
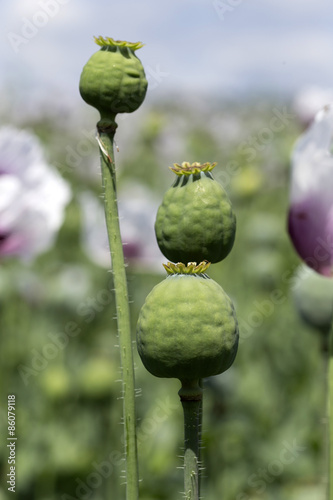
[105,137]
[200,432]
[330,415]
[191,399]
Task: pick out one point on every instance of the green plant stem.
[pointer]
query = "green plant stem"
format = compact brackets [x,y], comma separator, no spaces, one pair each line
[330,415]
[192,407]
[200,429]
[106,132]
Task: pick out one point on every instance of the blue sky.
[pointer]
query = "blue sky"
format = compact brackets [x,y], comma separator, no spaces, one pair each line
[194,46]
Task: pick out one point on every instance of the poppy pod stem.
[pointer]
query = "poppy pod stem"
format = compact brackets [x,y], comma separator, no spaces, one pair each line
[330,416]
[113,81]
[105,138]
[191,398]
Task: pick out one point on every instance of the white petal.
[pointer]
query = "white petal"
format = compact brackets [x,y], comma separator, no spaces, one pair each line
[312,161]
[19,150]
[11,201]
[310,100]
[33,195]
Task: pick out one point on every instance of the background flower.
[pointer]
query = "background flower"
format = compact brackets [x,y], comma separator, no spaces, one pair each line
[311,209]
[137,211]
[313,299]
[32,196]
[57,324]
[309,100]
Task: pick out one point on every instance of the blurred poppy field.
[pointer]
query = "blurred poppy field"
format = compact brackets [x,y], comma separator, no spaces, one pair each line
[264,421]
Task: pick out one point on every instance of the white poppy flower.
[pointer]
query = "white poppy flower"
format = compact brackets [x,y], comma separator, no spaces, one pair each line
[309,100]
[33,196]
[311,204]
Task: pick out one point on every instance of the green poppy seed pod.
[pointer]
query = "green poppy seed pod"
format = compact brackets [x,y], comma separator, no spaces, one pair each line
[195,221]
[113,80]
[187,327]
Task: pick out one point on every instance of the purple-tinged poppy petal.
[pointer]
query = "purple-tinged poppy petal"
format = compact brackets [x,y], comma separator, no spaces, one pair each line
[310,220]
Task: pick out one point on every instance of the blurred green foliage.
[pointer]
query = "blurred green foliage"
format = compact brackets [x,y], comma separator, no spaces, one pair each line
[263,426]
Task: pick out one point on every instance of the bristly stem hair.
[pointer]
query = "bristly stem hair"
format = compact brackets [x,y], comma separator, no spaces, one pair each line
[191,399]
[330,414]
[105,138]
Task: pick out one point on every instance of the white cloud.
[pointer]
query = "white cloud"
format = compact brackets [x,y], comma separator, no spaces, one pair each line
[274,44]
[300,7]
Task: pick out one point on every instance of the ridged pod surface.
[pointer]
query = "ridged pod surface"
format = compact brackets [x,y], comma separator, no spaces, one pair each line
[113,80]
[187,327]
[195,221]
